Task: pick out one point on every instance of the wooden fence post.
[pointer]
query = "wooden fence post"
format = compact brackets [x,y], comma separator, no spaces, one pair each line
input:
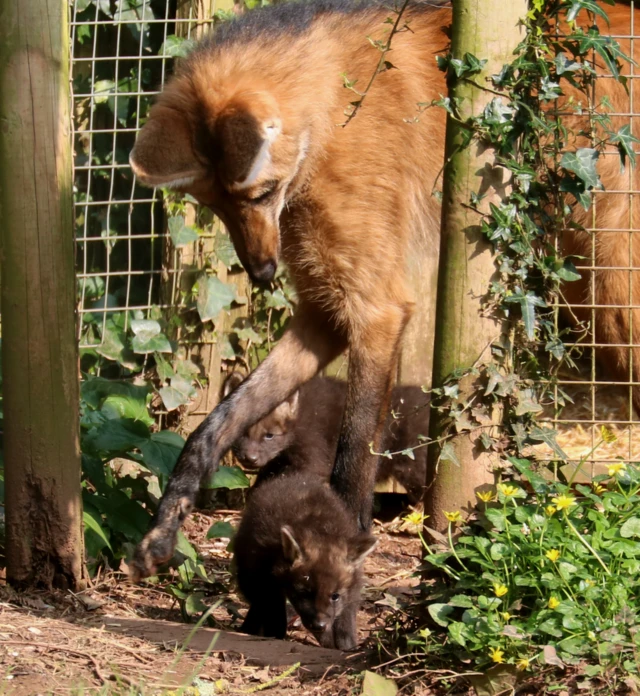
[487,29]
[39,353]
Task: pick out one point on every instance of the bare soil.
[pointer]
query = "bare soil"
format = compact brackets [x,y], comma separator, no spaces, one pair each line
[119,638]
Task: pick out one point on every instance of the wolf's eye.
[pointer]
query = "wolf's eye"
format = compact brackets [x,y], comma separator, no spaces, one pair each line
[335,597]
[268,436]
[271,188]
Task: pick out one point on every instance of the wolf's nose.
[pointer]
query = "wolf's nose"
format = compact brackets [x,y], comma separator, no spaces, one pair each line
[318,625]
[264,272]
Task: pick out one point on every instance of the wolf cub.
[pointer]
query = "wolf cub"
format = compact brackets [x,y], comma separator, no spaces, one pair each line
[297,541]
[302,433]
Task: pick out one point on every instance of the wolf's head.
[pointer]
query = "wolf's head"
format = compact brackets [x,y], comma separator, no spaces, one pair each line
[322,576]
[270,436]
[233,149]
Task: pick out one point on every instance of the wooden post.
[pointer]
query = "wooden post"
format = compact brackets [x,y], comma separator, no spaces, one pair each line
[39,354]
[487,29]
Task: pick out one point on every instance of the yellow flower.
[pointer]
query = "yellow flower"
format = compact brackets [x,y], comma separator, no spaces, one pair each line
[550,510]
[424,633]
[485,496]
[508,491]
[553,555]
[563,502]
[522,664]
[597,488]
[500,590]
[505,615]
[615,469]
[415,518]
[496,654]
[453,516]
[607,435]
[554,603]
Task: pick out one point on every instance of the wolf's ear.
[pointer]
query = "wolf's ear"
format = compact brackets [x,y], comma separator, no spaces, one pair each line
[361,547]
[232,382]
[245,130]
[290,547]
[163,153]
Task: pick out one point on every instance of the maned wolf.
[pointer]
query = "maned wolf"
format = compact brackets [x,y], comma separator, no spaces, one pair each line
[297,541]
[301,434]
[252,125]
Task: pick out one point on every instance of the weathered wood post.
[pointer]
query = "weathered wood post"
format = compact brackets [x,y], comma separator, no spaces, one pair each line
[39,354]
[487,29]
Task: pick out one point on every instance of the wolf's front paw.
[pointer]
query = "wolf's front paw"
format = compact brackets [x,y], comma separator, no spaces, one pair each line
[154,550]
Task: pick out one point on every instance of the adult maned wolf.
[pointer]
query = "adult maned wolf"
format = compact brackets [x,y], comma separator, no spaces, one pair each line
[252,125]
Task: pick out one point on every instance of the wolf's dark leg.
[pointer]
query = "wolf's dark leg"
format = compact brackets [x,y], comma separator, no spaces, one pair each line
[267,615]
[310,343]
[373,357]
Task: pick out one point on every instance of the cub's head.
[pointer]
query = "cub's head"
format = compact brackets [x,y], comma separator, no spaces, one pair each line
[228,144]
[322,576]
[270,436]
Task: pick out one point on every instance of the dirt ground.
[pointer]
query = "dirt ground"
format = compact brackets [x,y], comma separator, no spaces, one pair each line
[119,638]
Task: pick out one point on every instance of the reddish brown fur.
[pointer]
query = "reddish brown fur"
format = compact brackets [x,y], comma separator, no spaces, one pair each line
[351,205]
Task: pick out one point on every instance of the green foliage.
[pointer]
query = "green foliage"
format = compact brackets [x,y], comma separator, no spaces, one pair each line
[544,573]
[551,179]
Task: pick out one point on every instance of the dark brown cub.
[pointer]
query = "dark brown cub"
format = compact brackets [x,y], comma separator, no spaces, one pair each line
[297,541]
[301,434]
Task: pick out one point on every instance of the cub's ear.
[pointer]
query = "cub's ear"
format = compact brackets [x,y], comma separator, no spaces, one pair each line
[290,547]
[163,154]
[232,382]
[361,547]
[245,131]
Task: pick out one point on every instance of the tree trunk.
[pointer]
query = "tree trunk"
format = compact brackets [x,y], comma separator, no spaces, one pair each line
[39,358]
[487,29]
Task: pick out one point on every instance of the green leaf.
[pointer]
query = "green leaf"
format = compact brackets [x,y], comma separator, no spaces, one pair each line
[221,530]
[631,528]
[497,518]
[176,47]
[376,685]
[588,5]
[95,390]
[148,337]
[548,436]
[179,393]
[93,523]
[225,251]
[116,436]
[448,454]
[213,297]
[185,548]
[124,406]
[457,631]
[625,140]
[439,613]
[461,601]
[582,163]
[113,345]
[180,233]
[161,451]
[528,302]
[231,477]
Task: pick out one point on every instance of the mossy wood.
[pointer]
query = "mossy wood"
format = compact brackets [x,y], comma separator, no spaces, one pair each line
[44,544]
[487,29]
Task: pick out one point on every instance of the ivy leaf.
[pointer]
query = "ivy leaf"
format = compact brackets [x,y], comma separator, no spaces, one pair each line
[161,452]
[116,436]
[589,6]
[148,337]
[568,271]
[221,530]
[213,297]
[93,525]
[180,233]
[604,46]
[564,64]
[225,251]
[230,477]
[528,302]
[625,140]
[448,454]
[176,47]
[582,163]
[113,345]
[179,393]
[548,436]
